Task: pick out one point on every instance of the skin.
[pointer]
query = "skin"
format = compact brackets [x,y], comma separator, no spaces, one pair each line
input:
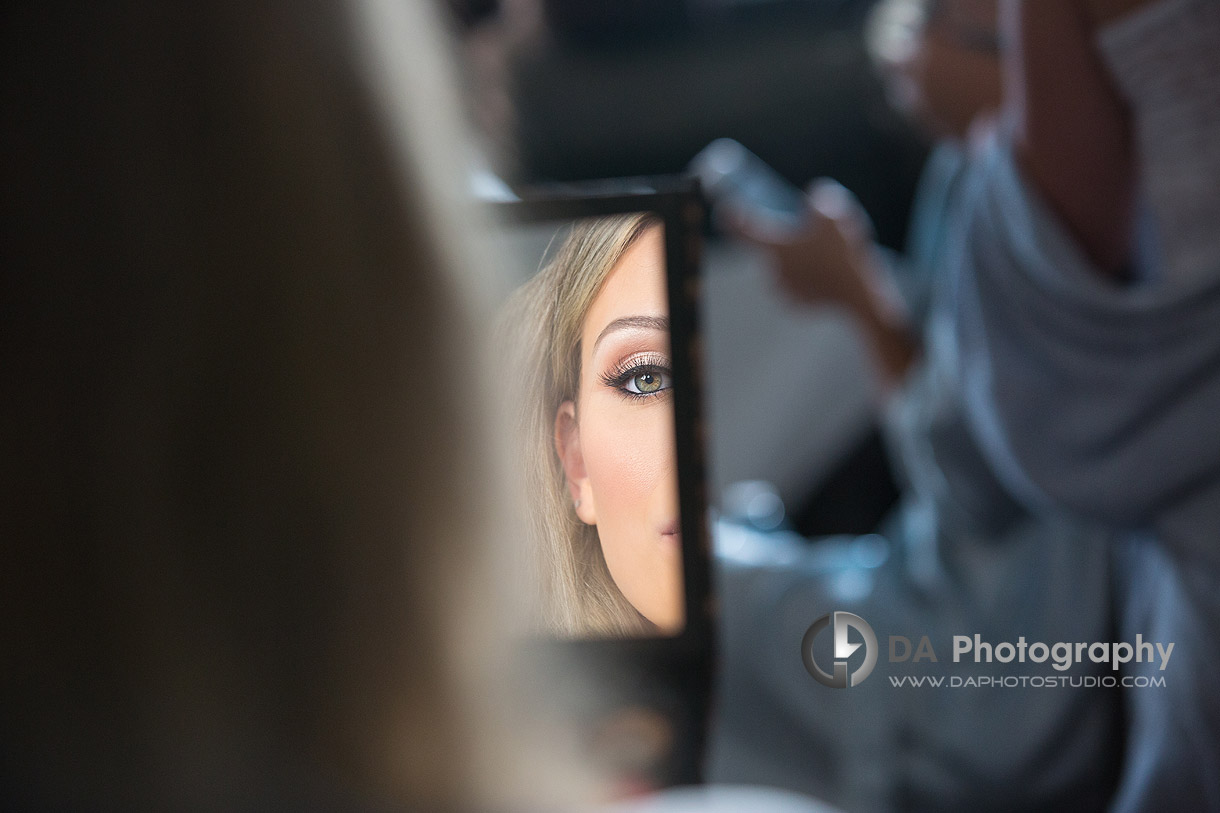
[1101,12]
[1073,138]
[617,448]
[945,80]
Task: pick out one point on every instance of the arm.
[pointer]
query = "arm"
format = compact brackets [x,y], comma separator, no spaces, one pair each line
[1071,131]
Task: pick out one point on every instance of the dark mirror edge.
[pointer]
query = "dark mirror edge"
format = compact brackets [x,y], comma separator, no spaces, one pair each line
[674,674]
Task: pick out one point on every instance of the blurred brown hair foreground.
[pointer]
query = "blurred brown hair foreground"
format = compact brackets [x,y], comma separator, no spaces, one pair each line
[243,441]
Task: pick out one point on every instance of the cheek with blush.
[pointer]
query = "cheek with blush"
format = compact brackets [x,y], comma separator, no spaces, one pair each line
[632,474]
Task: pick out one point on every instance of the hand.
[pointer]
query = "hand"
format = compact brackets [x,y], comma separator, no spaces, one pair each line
[833,260]
[825,262]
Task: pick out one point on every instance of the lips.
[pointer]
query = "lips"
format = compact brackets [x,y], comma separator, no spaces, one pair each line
[671,528]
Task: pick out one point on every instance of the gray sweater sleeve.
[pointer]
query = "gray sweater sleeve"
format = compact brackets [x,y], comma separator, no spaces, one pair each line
[1101,398]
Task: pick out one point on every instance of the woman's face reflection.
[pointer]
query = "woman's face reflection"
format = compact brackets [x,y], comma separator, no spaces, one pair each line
[616,440]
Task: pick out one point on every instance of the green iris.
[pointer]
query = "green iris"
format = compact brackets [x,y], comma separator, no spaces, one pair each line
[647,382]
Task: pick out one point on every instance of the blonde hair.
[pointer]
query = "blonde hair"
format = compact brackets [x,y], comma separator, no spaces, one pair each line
[577,595]
[245,533]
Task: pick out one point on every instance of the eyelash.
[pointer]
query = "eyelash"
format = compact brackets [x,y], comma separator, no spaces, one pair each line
[629,368]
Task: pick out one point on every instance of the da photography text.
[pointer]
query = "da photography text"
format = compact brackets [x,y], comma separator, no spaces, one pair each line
[856,651]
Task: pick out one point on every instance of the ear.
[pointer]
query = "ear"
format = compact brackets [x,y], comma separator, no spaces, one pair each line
[567,446]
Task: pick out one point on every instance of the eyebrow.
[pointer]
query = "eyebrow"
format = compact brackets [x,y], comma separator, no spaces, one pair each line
[630,322]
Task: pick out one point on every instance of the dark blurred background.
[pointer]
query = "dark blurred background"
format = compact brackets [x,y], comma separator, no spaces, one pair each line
[609,88]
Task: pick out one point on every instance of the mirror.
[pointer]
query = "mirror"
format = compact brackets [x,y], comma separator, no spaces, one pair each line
[587,340]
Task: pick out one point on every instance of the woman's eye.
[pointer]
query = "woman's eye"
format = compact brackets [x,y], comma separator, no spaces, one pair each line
[640,376]
[646,382]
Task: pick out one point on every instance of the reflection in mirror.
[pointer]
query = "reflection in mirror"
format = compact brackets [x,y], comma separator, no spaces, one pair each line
[591,380]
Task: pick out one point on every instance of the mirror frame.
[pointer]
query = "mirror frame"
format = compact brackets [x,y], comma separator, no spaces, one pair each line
[677,202]
[672,675]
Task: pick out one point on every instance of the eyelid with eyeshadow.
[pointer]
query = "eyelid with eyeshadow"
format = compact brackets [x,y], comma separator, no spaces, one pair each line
[633,365]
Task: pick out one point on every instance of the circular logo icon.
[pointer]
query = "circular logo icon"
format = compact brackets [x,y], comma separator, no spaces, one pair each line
[843,649]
